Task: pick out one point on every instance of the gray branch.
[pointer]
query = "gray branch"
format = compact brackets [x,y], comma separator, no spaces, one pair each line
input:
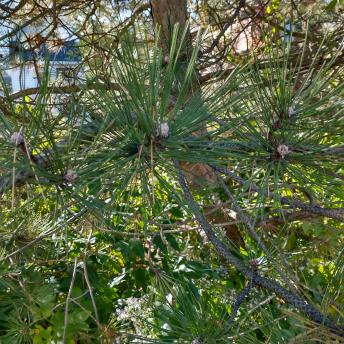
[266,283]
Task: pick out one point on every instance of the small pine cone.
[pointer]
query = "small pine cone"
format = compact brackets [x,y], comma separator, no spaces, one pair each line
[17,138]
[283,150]
[254,264]
[70,176]
[163,130]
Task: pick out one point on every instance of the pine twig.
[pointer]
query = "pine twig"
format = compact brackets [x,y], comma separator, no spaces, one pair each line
[89,286]
[334,213]
[337,214]
[68,299]
[90,289]
[239,300]
[225,27]
[251,229]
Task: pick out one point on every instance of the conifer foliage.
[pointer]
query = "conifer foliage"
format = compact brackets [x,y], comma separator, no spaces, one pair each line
[160,207]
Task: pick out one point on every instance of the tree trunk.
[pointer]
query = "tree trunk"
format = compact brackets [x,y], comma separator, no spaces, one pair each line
[166,13]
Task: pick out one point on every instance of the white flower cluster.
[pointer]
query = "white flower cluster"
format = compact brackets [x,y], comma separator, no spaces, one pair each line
[136,311]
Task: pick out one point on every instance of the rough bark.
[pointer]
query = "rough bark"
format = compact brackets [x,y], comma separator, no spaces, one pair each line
[165,14]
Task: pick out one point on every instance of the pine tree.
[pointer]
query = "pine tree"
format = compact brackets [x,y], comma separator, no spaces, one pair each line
[229,165]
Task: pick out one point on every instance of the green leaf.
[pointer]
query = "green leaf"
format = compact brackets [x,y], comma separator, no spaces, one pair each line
[157,241]
[331,5]
[172,241]
[80,315]
[45,294]
[141,277]
[137,248]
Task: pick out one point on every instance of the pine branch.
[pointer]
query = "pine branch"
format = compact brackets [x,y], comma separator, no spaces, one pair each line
[225,27]
[266,283]
[251,229]
[334,213]
[32,20]
[239,300]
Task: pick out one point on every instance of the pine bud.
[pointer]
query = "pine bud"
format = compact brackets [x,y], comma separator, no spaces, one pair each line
[70,176]
[17,138]
[163,130]
[196,341]
[283,150]
[291,111]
